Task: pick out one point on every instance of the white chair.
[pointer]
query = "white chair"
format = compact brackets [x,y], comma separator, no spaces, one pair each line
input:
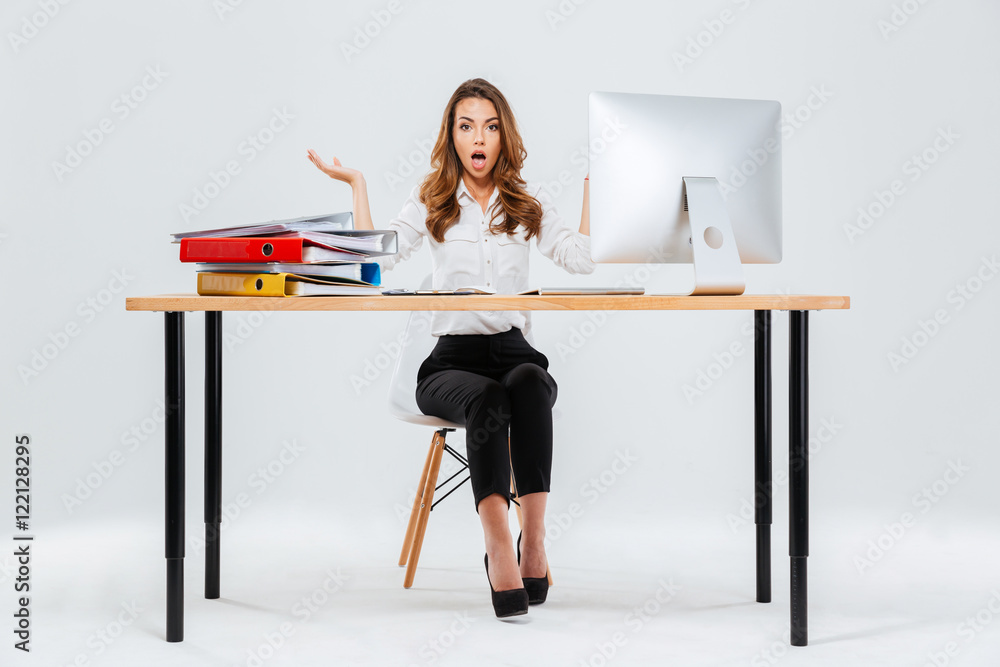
[416,345]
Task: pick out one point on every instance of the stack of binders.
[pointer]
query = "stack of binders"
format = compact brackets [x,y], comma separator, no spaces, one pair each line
[310,256]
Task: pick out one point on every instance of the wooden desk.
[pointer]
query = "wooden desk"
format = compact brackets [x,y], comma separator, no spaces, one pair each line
[175,305]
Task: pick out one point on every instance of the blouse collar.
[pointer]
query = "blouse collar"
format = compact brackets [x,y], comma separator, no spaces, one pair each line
[463,190]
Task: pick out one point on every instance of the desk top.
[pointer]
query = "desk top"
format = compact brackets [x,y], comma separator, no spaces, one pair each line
[193,302]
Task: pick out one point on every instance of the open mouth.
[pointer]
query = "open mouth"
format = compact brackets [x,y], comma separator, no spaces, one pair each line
[479,159]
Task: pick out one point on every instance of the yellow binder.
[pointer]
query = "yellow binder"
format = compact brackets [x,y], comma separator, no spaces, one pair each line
[280,284]
[242,284]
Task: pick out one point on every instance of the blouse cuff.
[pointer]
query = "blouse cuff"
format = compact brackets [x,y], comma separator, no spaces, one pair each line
[581,262]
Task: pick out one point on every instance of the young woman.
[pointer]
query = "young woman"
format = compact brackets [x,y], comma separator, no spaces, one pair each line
[479,215]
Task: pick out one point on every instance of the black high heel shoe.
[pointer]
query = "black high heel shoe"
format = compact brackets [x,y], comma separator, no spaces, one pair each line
[537,587]
[506,603]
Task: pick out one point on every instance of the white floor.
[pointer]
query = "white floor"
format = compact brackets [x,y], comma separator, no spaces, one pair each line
[623,595]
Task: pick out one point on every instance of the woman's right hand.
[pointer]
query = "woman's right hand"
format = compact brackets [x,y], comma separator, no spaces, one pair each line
[354,178]
[336,170]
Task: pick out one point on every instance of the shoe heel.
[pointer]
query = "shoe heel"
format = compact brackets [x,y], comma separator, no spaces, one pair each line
[536,587]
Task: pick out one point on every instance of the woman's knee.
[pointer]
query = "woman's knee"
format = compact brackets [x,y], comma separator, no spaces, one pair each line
[531,378]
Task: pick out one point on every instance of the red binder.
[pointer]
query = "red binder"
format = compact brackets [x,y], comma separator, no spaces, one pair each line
[261,249]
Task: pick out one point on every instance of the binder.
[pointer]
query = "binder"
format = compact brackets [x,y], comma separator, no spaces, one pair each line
[372,241]
[279,284]
[311,223]
[250,249]
[366,273]
[294,249]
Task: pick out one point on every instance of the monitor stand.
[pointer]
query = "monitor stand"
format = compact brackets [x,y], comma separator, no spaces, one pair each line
[717,266]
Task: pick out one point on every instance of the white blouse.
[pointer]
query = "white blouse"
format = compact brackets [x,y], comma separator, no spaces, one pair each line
[471,256]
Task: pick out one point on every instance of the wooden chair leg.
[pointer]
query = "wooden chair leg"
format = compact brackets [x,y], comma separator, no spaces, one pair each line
[408,538]
[520,522]
[517,506]
[426,500]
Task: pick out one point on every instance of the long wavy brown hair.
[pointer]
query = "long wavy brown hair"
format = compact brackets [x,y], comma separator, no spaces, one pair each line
[439,188]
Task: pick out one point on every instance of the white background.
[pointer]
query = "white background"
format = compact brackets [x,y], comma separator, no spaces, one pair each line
[100,232]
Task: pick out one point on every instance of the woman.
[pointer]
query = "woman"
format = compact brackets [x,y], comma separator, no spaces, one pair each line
[479,215]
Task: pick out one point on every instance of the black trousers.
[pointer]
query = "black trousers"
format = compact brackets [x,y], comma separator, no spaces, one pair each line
[495,385]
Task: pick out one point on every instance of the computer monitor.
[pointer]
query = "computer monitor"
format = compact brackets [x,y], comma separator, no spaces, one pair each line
[686,180]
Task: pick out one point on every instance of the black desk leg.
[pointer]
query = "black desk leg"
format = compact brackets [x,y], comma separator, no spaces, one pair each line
[174,472]
[798,469]
[763,487]
[213,450]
